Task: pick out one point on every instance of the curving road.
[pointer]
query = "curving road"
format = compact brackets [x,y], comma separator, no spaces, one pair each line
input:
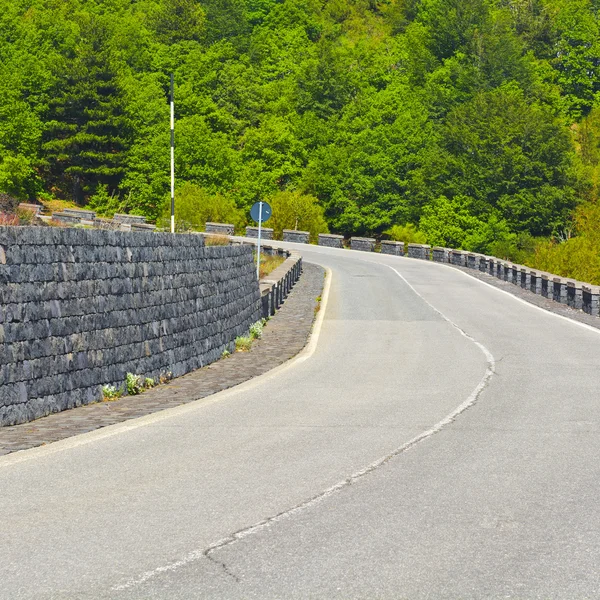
[441,441]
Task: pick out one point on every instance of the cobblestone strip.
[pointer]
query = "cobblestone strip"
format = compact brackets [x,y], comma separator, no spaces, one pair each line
[284,336]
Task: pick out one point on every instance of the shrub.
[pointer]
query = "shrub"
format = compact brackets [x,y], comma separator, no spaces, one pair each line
[293,210]
[194,207]
[408,234]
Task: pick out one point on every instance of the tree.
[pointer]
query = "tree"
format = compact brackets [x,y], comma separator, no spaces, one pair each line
[194,207]
[86,133]
[294,210]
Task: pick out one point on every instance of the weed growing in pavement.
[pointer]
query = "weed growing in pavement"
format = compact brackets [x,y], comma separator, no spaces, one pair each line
[243,344]
[226,353]
[133,384]
[256,329]
[110,393]
[165,378]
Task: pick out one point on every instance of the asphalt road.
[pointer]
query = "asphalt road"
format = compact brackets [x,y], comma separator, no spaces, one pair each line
[442,441]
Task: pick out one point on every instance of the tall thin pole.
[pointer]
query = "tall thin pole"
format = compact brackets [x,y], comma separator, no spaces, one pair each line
[172,153]
[258,248]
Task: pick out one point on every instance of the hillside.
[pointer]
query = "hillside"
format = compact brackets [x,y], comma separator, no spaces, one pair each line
[478,121]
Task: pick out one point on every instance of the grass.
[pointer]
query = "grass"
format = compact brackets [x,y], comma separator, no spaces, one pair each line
[216,240]
[244,343]
[269,263]
[54,205]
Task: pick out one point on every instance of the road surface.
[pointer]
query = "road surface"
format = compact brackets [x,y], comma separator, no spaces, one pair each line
[441,441]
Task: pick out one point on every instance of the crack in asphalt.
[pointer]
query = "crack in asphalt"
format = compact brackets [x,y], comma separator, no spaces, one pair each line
[341,485]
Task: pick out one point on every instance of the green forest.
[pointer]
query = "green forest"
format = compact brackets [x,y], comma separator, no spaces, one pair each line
[471,124]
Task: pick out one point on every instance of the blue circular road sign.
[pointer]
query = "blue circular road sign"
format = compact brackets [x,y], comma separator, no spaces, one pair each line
[255,212]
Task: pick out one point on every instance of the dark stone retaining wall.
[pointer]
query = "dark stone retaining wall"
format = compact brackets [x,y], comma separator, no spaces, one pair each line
[80,309]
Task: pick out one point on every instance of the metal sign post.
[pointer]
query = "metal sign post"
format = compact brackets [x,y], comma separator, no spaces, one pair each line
[260,212]
[258,248]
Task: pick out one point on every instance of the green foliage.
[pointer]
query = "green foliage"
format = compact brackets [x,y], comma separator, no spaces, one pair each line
[409,234]
[294,210]
[579,256]
[133,384]
[243,343]
[111,393]
[256,329]
[478,120]
[194,207]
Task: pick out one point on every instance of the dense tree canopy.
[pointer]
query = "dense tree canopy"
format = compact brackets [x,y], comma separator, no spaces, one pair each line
[475,121]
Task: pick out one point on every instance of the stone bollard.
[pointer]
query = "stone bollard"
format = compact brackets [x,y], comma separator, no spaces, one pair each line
[299,237]
[331,241]
[574,294]
[525,278]
[499,269]
[515,274]
[458,258]
[474,261]
[421,251]
[363,244]
[535,282]
[440,254]
[547,286]
[559,290]
[591,299]
[266,233]
[219,228]
[391,247]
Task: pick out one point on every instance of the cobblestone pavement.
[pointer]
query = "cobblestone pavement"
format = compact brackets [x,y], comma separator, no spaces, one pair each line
[284,336]
[536,299]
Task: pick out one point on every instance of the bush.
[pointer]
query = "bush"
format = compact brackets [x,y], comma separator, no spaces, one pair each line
[194,207]
[408,234]
[293,210]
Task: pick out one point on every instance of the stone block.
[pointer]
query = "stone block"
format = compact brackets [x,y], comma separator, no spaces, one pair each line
[458,257]
[219,228]
[575,294]
[362,244]
[331,241]
[266,233]
[421,251]
[535,282]
[392,247]
[559,290]
[440,254]
[590,299]
[298,237]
